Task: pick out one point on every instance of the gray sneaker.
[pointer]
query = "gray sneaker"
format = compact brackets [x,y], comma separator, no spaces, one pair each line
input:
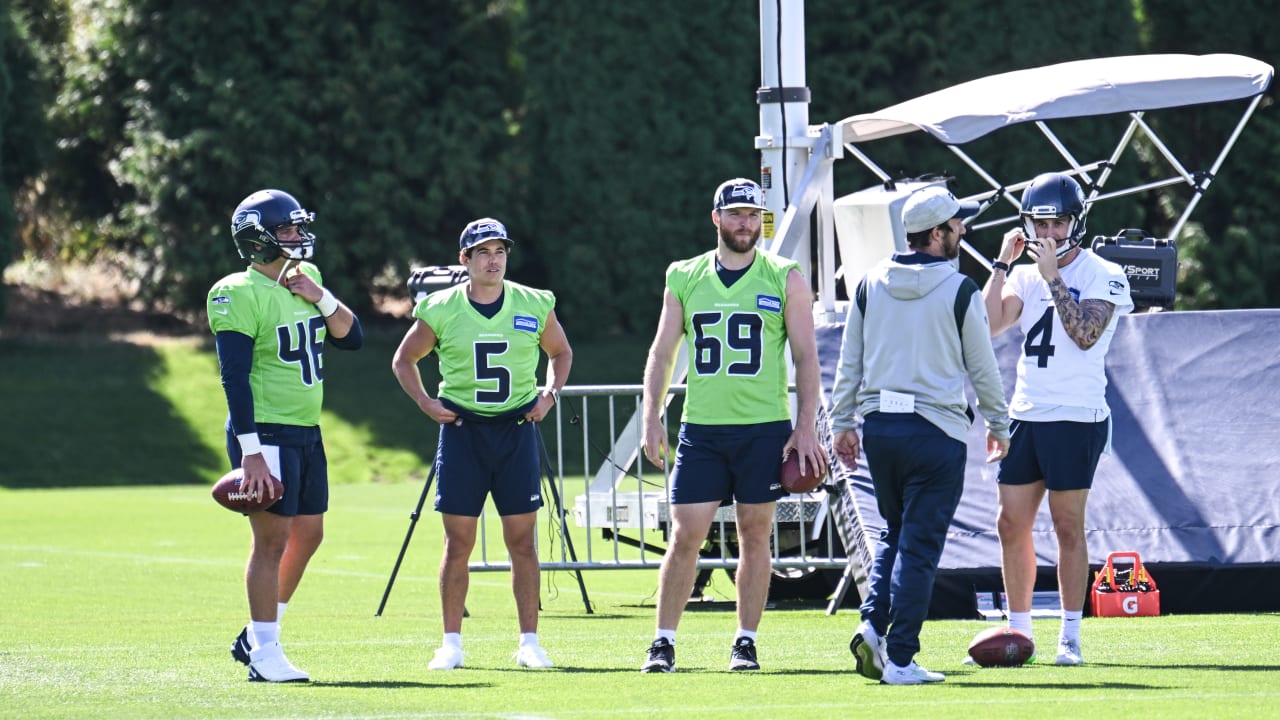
[912,674]
[868,651]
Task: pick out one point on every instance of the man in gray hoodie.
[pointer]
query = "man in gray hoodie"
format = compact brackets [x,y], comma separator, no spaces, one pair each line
[916,330]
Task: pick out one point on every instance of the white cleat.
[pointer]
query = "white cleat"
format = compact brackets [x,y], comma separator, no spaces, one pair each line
[532,656]
[912,674]
[447,657]
[268,664]
[868,650]
[1068,653]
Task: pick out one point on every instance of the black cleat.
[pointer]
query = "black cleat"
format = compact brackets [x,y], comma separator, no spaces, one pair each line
[240,647]
[743,655]
[662,657]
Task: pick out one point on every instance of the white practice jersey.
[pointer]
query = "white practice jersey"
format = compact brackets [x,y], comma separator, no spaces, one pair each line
[1056,379]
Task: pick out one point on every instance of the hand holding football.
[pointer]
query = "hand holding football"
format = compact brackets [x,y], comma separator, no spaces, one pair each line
[1001,647]
[227,492]
[793,481]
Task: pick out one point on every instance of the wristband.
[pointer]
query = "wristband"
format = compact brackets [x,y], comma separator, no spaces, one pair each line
[1000,265]
[327,304]
[249,444]
[555,394]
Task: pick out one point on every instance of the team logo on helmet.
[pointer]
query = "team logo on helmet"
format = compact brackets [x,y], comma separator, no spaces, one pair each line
[247,220]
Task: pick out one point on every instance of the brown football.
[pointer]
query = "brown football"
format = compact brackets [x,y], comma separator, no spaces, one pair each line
[1001,647]
[793,481]
[227,492]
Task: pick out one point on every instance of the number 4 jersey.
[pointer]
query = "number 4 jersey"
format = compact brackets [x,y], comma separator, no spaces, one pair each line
[1056,379]
[287,376]
[736,338]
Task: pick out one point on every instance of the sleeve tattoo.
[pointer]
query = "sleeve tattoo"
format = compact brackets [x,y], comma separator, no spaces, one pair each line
[1083,321]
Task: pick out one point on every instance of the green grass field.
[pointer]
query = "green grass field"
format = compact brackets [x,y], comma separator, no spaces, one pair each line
[122,583]
[122,602]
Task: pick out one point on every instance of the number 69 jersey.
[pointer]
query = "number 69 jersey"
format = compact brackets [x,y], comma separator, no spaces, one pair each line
[287,376]
[1056,379]
[736,339]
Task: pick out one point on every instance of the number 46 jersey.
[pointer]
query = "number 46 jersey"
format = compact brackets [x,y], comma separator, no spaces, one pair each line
[1056,379]
[736,338]
[287,376]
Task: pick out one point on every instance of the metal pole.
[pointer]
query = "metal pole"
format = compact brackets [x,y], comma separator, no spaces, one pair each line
[783,98]
[413,521]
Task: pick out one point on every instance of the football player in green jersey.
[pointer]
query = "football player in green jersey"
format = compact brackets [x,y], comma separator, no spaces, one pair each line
[487,334]
[271,323]
[738,308]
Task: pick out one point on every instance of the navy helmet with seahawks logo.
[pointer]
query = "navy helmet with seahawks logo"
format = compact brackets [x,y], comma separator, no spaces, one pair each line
[259,216]
[478,231]
[1054,195]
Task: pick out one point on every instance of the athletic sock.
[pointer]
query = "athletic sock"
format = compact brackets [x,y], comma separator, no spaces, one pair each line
[1071,625]
[1021,621]
[748,634]
[265,633]
[452,640]
[668,635]
[280,606]
[529,639]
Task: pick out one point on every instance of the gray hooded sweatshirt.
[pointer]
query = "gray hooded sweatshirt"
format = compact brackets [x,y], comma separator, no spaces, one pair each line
[909,341]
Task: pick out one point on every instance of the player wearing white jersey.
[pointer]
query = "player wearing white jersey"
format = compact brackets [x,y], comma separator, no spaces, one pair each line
[1067,305]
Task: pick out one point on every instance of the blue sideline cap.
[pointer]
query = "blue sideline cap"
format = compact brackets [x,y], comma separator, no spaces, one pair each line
[930,207]
[738,192]
[477,231]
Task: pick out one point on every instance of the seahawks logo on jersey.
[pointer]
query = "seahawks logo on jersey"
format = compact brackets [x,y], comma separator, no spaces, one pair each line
[769,303]
[526,323]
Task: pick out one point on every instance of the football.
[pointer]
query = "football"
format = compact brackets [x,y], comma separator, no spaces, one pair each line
[227,492]
[1001,647]
[793,481]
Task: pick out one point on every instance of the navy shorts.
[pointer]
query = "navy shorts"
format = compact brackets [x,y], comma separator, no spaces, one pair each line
[728,463]
[304,469]
[479,456]
[1064,454]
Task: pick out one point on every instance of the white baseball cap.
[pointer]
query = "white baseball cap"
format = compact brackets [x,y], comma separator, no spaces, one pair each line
[930,207]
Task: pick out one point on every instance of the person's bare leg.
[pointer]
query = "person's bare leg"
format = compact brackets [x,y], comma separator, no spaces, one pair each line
[518,532]
[690,523]
[459,539]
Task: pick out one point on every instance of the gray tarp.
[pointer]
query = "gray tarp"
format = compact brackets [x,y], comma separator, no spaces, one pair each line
[1193,483]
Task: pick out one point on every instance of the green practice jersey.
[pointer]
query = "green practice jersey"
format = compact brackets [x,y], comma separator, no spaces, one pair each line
[488,365]
[287,377]
[737,338]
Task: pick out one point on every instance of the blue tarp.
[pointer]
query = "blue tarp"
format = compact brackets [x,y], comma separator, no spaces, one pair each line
[1192,483]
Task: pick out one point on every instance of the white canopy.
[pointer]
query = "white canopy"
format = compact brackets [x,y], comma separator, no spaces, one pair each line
[1100,86]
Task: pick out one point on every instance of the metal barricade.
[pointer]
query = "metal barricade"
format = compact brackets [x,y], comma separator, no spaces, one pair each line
[620,512]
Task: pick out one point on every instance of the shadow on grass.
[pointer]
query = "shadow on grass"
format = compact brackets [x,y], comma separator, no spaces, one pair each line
[83,414]
[390,685]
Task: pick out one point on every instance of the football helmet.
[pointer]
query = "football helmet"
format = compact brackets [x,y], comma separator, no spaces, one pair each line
[259,216]
[478,231]
[1053,195]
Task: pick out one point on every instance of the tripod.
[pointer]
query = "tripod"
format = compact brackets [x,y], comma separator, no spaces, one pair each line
[549,480]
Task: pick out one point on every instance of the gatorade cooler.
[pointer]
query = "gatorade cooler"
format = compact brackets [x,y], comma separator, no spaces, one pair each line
[1125,592]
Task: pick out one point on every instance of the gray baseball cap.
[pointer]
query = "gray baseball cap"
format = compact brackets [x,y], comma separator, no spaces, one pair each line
[932,206]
